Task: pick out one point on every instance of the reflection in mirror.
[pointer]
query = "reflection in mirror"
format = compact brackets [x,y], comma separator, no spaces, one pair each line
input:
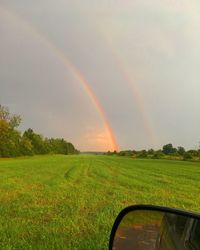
[155,230]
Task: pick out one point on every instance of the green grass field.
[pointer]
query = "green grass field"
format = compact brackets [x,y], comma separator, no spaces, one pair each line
[70,202]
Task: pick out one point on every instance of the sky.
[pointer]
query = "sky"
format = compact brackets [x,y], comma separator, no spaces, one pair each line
[104,75]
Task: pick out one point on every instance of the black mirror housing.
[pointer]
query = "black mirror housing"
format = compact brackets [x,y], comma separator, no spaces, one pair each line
[144,227]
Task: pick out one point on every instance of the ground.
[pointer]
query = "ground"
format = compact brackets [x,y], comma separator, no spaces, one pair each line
[70,202]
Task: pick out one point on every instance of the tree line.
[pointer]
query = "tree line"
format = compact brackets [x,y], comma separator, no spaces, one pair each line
[167,152]
[13,143]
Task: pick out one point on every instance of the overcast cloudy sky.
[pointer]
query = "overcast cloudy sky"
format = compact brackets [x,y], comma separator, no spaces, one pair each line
[102,73]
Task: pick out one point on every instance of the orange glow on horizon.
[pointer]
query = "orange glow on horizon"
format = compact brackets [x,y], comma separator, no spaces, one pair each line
[93,97]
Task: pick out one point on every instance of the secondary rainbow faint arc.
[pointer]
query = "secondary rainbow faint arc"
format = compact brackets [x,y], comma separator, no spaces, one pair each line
[133,87]
[69,65]
[140,102]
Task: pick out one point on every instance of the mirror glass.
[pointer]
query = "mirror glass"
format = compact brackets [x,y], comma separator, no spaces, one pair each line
[155,230]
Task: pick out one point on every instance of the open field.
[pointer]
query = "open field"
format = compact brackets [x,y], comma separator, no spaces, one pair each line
[70,202]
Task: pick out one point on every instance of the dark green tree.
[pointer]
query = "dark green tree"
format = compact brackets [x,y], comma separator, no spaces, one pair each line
[169,149]
[181,150]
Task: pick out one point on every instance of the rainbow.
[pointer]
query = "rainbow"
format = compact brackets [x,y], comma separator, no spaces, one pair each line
[137,97]
[69,66]
[134,89]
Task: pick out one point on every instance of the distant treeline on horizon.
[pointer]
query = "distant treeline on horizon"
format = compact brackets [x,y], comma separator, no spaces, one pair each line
[167,152]
[13,143]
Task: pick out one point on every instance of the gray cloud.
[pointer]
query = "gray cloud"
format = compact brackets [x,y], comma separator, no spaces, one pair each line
[156,44]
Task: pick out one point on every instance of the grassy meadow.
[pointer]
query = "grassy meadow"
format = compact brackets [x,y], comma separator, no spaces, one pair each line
[70,202]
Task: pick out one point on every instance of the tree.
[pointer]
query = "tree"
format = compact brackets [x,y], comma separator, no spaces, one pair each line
[9,136]
[26,147]
[187,156]
[193,152]
[169,149]
[36,141]
[158,154]
[13,144]
[142,154]
[150,151]
[181,150]
[12,120]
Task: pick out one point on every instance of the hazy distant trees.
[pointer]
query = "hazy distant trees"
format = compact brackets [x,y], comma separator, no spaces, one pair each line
[13,143]
[169,149]
[181,150]
[167,152]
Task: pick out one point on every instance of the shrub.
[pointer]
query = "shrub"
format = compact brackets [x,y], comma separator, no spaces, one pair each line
[187,156]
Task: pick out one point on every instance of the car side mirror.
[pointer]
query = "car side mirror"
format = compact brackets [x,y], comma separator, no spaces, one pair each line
[146,227]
